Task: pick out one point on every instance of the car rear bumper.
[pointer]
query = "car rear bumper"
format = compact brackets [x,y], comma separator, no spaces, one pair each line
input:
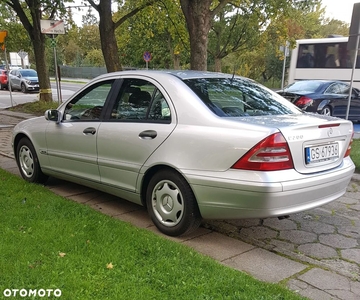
[234,198]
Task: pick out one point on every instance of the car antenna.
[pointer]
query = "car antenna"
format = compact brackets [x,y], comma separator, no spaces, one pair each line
[233,75]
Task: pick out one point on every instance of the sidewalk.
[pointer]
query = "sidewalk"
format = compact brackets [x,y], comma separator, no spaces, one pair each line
[316,253]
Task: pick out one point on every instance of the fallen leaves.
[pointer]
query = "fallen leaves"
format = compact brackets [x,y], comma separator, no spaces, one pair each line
[62,254]
[109,266]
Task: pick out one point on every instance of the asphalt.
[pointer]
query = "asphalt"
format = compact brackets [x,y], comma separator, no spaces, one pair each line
[315,253]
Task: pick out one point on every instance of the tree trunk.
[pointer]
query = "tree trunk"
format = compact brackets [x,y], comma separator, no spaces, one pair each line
[107,37]
[198,20]
[38,40]
[45,93]
[217,64]
[176,61]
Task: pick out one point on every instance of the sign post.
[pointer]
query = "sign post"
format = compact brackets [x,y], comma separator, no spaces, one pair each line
[147,58]
[53,28]
[22,55]
[353,44]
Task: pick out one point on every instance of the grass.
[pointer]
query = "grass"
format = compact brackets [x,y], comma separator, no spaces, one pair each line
[36,108]
[355,154]
[49,242]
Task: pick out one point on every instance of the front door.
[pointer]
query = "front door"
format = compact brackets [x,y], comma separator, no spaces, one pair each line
[72,144]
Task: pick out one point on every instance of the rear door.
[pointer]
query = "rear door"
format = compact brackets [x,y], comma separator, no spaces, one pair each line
[340,93]
[136,126]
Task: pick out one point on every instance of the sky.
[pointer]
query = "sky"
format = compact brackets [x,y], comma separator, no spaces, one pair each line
[339,9]
[336,9]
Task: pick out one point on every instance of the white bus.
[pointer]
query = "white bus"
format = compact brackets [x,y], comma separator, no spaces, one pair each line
[326,58]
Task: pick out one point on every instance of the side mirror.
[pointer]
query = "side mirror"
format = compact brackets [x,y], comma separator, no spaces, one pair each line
[53,115]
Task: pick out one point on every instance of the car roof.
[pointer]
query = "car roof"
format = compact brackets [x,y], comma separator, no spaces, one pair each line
[182,74]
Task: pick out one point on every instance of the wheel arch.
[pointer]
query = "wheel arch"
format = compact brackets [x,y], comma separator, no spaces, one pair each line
[16,141]
[322,104]
[149,173]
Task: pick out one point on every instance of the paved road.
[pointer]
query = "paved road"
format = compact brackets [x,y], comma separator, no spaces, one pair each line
[316,252]
[17,97]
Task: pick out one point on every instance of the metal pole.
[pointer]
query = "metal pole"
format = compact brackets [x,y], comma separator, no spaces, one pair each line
[56,71]
[283,72]
[8,74]
[352,76]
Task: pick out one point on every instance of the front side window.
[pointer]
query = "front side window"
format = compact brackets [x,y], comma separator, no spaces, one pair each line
[88,105]
[237,97]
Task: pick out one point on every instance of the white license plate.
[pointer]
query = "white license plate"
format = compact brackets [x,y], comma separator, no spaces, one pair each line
[321,153]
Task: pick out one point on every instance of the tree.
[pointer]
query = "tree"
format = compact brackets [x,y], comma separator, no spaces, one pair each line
[240,25]
[107,30]
[159,29]
[30,13]
[199,16]
[333,26]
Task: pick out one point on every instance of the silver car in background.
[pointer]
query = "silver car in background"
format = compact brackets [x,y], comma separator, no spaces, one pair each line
[190,145]
[25,80]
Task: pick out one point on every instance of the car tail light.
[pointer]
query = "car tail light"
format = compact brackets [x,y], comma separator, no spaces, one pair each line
[348,150]
[271,154]
[303,101]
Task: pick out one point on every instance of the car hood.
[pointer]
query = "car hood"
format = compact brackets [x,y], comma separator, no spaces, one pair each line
[31,78]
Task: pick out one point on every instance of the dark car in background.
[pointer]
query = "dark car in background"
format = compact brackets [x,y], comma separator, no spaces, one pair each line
[3,79]
[327,97]
[25,80]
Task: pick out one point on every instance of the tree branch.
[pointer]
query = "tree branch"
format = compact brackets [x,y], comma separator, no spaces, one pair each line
[132,13]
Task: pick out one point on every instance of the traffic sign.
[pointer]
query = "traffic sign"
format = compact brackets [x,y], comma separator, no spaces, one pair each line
[52,27]
[22,54]
[147,56]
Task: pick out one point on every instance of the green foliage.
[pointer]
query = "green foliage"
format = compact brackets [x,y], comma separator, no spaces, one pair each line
[159,29]
[94,58]
[355,154]
[49,242]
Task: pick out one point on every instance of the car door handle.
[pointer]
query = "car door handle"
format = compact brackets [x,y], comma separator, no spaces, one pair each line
[148,134]
[89,130]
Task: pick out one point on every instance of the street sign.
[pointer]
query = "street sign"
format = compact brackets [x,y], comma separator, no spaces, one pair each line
[22,54]
[147,56]
[52,27]
[53,43]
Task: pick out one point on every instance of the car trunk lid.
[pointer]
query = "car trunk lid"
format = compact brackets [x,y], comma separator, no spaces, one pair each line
[316,142]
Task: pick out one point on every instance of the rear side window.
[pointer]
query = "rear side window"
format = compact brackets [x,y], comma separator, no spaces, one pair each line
[140,101]
[238,97]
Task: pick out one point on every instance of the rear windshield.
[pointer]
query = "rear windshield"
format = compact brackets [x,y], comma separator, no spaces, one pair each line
[239,97]
[306,86]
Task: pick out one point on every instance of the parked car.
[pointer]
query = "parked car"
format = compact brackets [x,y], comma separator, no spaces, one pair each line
[24,80]
[3,79]
[327,97]
[189,145]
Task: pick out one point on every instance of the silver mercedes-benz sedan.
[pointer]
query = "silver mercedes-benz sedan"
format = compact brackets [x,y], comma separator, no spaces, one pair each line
[190,145]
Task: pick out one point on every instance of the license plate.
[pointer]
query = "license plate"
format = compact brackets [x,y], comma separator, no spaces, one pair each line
[321,153]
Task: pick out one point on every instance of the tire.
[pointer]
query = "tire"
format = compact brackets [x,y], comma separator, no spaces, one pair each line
[171,204]
[23,88]
[326,111]
[28,162]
